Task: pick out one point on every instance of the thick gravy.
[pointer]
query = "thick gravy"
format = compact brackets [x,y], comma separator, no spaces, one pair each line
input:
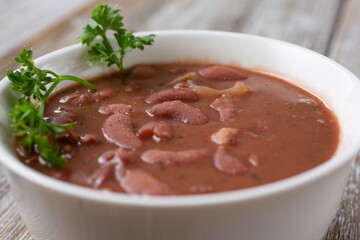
[213,129]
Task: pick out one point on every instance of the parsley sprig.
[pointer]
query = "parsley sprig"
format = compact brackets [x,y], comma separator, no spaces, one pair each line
[108,18]
[36,84]
[28,117]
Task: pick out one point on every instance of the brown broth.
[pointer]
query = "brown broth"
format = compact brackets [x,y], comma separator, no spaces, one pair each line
[288,135]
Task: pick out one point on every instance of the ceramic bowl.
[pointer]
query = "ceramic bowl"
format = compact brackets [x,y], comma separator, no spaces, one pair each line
[297,208]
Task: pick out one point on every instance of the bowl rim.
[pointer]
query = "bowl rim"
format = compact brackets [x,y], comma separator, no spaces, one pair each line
[246,194]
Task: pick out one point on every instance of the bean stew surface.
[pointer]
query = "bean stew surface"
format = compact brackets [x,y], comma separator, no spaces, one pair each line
[187,129]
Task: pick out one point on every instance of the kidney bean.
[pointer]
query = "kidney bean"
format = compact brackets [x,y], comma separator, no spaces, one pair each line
[225,136]
[171,158]
[76,98]
[143,72]
[103,94]
[178,111]
[80,99]
[176,69]
[228,164]
[67,138]
[118,129]
[139,182]
[108,161]
[222,73]
[161,130]
[115,108]
[132,87]
[114,157]
[63,118]
[88,139]
[225,107]
[68,151]
[99,176]
[183,94]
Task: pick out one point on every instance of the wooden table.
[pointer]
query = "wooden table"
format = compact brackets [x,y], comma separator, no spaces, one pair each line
[330,27]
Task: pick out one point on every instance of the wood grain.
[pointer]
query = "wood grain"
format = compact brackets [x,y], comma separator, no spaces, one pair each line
[331,27]
[345,45]
[11,224]
[21,20]
[307,23]
[345,49]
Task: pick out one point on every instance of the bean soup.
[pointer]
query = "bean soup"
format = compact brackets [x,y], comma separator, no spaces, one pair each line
[179,129]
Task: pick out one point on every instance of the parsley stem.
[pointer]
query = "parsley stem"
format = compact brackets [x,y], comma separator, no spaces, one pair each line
[119,63]
[120,66]
[51,72]
[41,107]
[78,80]
[67,77]
[51,88]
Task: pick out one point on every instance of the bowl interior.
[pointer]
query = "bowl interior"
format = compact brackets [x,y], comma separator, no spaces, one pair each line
[336,86]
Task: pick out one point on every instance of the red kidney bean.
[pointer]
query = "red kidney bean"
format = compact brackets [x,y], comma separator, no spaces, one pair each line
[176,69]
[88,139]
[143,72]
[222,73]
[63,118]
[132,87]
[139,182]
[171,158]
[68,151]
[99,176]
[118,129]
[115,108]
[183,94]
[80,99]
[113,157]
[225,136]
[178,111]
[225,107]
[228,164]
[108,161]
[160,130]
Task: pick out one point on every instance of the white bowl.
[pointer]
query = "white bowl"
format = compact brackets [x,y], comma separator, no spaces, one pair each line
[297,208]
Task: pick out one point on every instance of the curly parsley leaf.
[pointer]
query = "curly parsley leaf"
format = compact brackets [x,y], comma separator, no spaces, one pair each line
[29,123]
[28,117]
[109,18]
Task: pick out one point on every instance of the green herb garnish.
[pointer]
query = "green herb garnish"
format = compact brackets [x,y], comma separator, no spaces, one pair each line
[28,117]
[108,18]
